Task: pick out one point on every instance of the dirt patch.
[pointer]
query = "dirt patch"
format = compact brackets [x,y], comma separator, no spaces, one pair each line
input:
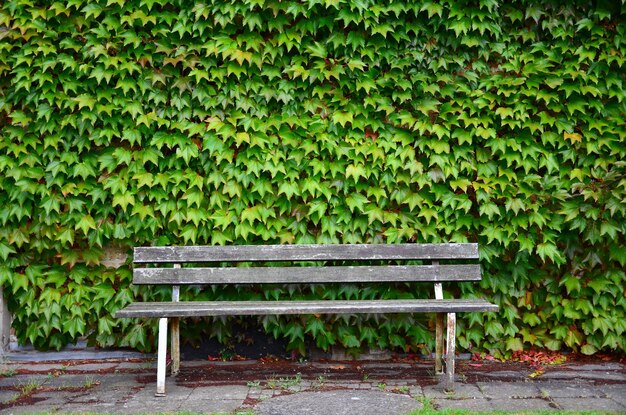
[414,372]
[250,402]
[284,371]
[21,401]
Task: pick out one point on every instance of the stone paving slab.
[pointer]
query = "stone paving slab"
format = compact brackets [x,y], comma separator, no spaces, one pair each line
[593,375]
[479,404]
[118,379]
[106,394]
[416,391]
[383,374]
[599,404]
[228,392]
[147,366]
[4,367]
[173,393]
[615,392]
[225,406]
[597,367]
[7,396]
[461,391]
[153,407]
[494,390]
[25,409]
[21,380]
[346,385]
[45,367]
[52,399]
[569,390]
[528,404]
[339,403]
[260,394]
[87,399]
[72,381]
[93,367]
[93,408]
[507,374]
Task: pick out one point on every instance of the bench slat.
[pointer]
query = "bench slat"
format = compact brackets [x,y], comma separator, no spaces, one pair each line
[257,253]
[229,308]
[305,275]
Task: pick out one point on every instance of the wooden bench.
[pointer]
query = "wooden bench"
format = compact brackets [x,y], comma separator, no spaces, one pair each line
[386,270]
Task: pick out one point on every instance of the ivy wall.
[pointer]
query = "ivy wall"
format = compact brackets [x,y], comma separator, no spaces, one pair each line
[139,122]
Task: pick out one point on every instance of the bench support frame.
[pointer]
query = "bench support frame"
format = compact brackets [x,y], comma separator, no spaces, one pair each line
[162,352]
[445,309]
[450,346]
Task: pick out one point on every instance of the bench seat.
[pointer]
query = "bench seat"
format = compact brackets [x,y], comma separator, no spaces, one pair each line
[239,308]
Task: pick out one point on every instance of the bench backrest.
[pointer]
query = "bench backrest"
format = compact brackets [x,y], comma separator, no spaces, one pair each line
[432,253]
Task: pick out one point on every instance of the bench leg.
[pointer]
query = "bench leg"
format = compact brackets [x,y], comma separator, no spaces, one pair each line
[175,345]
[451,343]
[162,351]
[439,344]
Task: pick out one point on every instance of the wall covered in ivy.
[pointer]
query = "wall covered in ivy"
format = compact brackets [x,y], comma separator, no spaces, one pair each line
[139,122]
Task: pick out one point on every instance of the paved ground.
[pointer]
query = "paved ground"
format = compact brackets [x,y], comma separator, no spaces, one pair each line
[277,387]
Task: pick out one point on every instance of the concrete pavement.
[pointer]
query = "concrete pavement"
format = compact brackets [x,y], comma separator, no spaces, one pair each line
[276,386]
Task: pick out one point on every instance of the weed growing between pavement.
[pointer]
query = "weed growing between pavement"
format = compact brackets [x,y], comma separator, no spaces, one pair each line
[253,384]
[282,383]
[8,373]
[29,387]
[288,382]
[321,380]
[24,391]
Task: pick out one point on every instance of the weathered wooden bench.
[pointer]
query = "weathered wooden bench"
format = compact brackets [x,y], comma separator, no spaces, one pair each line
[385,256]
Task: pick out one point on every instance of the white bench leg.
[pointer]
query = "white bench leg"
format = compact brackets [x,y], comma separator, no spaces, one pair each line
[451,343]
[162,351]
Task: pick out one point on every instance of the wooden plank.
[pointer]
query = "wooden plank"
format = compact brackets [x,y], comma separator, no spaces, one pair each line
[450,352]
[175,332]
[228,308]
[255,253]
[175,345]
[438,329]
[439,343]
[305,275]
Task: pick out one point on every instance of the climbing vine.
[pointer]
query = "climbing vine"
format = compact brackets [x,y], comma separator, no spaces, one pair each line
[139,122]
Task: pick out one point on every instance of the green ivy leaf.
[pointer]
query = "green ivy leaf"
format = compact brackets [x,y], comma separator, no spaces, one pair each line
[86,223]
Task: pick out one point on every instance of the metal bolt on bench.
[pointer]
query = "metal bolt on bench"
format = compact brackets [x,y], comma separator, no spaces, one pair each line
[363,274]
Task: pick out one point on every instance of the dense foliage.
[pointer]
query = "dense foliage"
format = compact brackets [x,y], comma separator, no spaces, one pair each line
[141,122]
